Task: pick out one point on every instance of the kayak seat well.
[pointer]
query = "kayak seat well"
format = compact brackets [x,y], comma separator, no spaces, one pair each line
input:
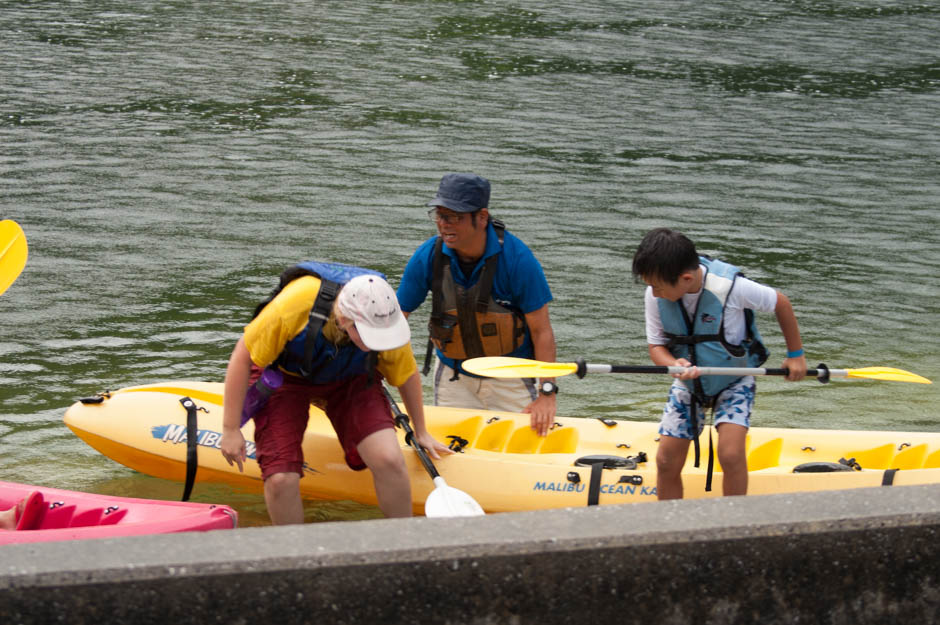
[98,517]
[874,458]
[494,436]
[61,516]
[933,460]
[58,516]
[765,456]
[910,457]
[563,440]
[524,441]
[464,432]
[87,518]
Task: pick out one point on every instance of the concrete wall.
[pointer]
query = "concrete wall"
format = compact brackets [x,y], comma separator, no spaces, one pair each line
[849,557]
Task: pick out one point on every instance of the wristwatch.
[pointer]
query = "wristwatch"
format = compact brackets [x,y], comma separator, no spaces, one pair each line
[548,388]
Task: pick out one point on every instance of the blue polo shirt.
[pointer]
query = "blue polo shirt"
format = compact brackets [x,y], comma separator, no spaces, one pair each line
[519,283]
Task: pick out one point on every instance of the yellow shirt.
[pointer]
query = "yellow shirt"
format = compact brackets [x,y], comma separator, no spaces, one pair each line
[286,316]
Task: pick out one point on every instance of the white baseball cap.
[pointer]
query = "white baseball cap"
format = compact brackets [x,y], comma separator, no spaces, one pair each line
[371,304]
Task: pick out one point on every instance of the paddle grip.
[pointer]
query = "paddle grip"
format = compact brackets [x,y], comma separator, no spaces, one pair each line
[581,371]
[821,372]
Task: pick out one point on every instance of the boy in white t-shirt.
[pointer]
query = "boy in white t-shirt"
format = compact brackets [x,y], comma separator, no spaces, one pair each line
[700,311]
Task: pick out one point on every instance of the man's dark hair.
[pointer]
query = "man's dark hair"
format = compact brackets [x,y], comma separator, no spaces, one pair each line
[664,254]
[473,218]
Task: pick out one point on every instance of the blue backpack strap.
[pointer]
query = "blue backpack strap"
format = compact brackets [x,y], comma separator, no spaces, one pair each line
[332,277]
[319,313]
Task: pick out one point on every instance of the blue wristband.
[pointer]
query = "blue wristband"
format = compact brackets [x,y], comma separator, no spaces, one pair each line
[795,354]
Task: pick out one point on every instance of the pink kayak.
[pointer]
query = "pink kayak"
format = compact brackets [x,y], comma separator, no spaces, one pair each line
[57,514]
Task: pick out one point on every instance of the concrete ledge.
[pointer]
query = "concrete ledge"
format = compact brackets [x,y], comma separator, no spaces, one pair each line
[853,557]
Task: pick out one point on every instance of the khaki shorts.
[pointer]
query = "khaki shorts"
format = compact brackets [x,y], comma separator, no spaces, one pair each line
[501,394]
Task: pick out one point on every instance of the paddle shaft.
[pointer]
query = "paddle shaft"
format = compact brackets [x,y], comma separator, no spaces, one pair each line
[508,367]
[402,420]
[735,371]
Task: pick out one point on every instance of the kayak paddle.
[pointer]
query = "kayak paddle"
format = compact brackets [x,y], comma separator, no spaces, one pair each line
[13,252]
[507,367]
[444,500]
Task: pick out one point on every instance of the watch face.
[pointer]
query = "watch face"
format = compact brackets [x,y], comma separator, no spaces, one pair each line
[548,387]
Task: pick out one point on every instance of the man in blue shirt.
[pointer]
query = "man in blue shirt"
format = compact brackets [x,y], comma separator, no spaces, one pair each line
[489,298]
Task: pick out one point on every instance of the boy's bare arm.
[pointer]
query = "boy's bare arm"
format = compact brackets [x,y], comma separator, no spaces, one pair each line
[791,334]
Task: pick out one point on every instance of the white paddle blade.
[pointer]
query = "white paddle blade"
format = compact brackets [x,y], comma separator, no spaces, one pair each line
[445,501]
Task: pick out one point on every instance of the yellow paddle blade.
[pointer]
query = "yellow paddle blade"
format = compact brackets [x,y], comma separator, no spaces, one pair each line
[507,367]
[13,253]
[887,373]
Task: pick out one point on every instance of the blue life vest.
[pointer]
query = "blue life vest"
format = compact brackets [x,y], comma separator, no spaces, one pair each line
[701,339]
[309,354]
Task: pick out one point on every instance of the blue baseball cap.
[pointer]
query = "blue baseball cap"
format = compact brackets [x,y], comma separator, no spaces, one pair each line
[464,193]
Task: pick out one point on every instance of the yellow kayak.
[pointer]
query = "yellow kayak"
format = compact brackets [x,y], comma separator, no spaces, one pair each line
[501,463]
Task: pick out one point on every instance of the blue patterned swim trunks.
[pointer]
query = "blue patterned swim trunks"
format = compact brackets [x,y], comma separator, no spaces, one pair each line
[733,405]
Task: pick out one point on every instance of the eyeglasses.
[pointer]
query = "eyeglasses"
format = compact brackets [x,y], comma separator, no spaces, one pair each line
[448,218]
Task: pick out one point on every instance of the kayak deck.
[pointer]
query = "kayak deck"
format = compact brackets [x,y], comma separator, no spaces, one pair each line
[500,461]
[71,515]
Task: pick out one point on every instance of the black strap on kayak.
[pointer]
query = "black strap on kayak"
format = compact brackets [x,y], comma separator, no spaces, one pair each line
[599,463]
[851,463]
[98,398]
[192,453]
[594,486]
[457,443]
[888,478]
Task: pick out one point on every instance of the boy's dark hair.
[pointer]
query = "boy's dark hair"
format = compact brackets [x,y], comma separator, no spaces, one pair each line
[664,254]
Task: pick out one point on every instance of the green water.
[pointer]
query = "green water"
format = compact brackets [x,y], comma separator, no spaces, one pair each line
[168,159]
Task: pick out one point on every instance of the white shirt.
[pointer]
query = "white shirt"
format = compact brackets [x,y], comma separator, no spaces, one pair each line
[746,294]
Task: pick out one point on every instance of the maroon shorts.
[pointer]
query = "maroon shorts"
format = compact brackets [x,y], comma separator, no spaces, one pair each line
[355,408]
